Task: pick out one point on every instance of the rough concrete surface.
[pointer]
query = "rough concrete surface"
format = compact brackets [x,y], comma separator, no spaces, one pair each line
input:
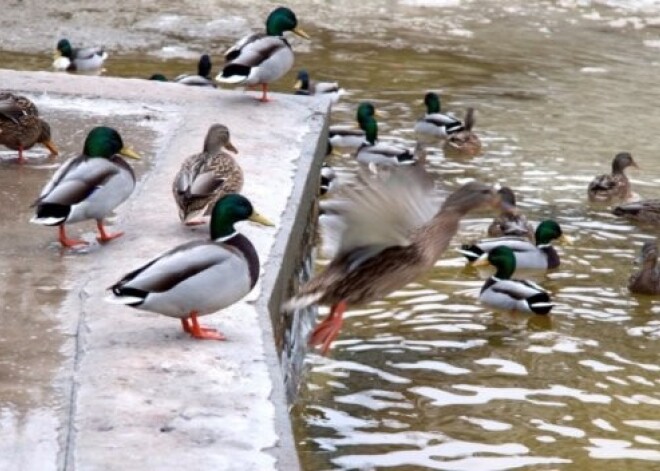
[138,393]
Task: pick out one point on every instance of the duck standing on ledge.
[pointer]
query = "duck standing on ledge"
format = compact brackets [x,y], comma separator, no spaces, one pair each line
[502,292]
[81,60]
[616,185]
[385,236]
[260,59]
[89,186]
[205,178]
[21,127]
[199,277]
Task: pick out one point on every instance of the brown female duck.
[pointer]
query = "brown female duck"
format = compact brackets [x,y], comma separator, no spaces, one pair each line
[641,211]
[647,280]
[387,236]
[206,177]
[21,127]
[510,222]
[616,185]
[465,141]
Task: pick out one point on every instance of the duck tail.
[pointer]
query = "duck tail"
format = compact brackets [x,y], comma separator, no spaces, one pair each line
[540,303]
[234,73]
[471,252]
[301,301]
[125,295]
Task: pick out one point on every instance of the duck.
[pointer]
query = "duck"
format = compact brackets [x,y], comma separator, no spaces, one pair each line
[306,86]
[328,179]
[81,60]
[261,59]
[647,279]
[203,76]
[386,234]
[510,223]
[375,153]
[21,127]
[205,177]
[645,211]
[434,123]
[539,256]
[502,292]
[199,277]
[345,138]
[158,78]
[615,186]
[465,141]
[89,186]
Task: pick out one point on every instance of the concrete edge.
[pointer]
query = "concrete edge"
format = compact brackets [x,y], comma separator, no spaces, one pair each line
[286,251]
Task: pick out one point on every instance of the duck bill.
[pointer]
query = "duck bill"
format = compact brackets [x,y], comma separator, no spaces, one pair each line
[128,152]
[564,239]
[299,32]
[481,261]
[503,206]
[50,145]
[57,54]
[230,146]
[259,219]
[297,85]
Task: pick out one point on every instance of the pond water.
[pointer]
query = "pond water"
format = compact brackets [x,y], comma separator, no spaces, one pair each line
[428,378]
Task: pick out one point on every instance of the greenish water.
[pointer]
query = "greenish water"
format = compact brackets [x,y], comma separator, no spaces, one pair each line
[428,378]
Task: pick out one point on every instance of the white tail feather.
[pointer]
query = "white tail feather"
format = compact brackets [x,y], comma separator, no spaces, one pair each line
[542,304]
[47,221]
[112,299]
[300,302]
[234,79]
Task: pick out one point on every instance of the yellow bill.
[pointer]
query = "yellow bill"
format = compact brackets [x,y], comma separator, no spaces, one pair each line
[128,152]
[259,219]
[481,261]
[564,239]
[298,85]
[300,32]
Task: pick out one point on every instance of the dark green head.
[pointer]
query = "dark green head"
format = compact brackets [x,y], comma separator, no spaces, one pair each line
[283,19]
[547,231]
[366,119]
[432,102]
[504,260]
[204,66]
[105,142]
[64,47]
[229,210]
[158,78]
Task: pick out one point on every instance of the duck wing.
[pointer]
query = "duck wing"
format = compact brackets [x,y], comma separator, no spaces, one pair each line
[234,51]
[258,50]
[10,109]
[88,52]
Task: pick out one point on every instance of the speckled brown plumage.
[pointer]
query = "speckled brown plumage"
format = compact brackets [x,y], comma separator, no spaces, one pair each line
[466,141]
[646,280]
[647,211]
[615,186]
[206,177]
[510,223]
[20,125]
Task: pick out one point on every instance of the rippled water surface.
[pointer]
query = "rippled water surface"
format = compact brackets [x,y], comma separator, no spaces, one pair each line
[428,378]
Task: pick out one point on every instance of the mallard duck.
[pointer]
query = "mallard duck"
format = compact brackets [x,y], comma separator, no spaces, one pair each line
[200,277]
[344,137]
[89,186]
[306,86]
[377,153]
[510,223]
[616,185]
[502,292]
[384,236]
[435,123]
[203,77]
[465,141]
[83,59]
[260,59]
[328,179]
[646,280]
[541,256]
[641,211]
[204,178]
[21,127]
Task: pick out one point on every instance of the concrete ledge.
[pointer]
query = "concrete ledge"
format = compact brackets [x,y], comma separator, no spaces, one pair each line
[135,392]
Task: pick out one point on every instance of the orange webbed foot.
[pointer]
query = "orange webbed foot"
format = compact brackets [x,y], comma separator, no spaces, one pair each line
[204,333]
[328,330]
